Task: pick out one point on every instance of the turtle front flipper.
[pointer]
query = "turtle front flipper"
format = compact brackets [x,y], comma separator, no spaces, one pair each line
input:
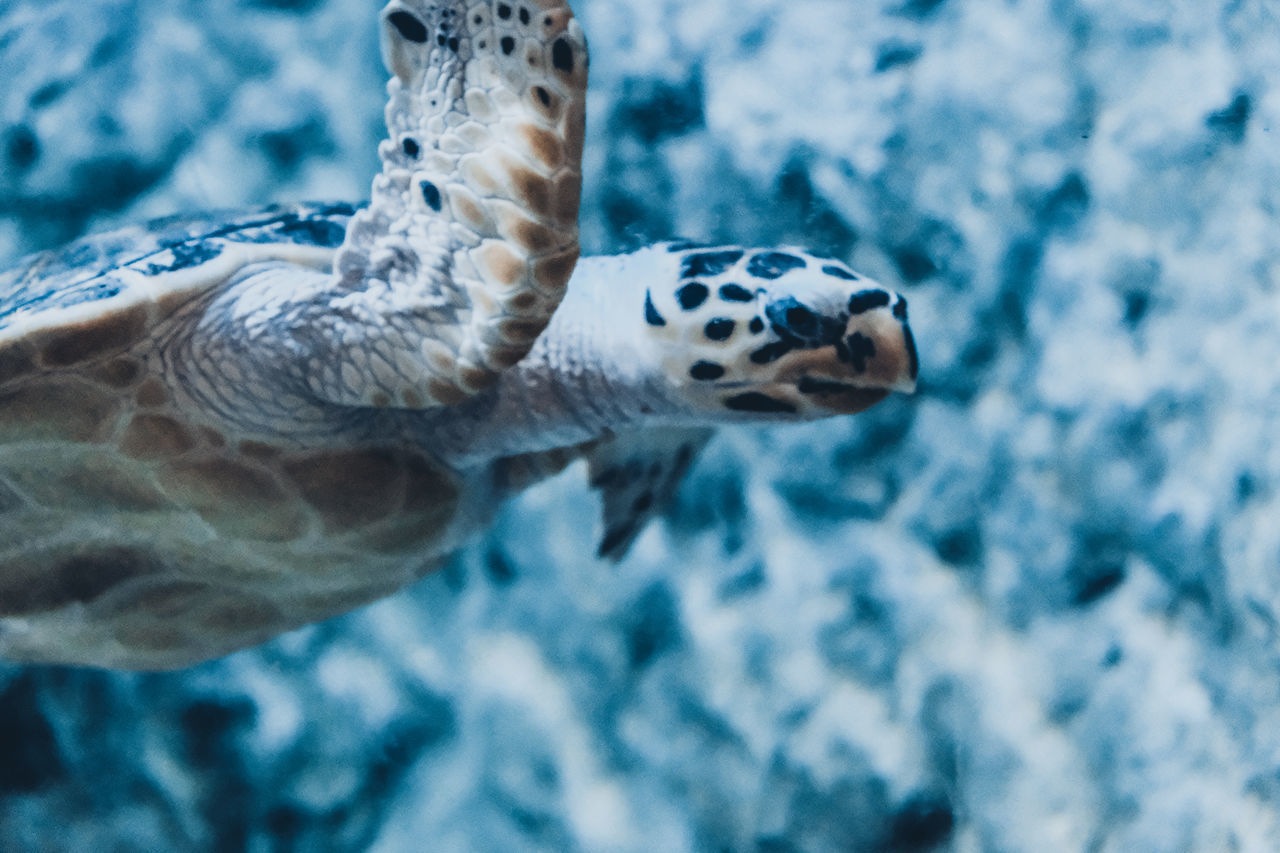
[456,266]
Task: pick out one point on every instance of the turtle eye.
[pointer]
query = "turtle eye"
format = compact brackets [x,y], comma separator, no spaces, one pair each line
[801,321]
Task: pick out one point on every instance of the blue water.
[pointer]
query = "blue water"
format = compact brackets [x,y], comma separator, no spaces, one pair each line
[1034,607]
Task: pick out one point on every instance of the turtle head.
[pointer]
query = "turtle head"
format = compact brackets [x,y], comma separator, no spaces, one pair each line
[778,334]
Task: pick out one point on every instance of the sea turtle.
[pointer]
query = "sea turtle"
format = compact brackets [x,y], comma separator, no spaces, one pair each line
[216,429]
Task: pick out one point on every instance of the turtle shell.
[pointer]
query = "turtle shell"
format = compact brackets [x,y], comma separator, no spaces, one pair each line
[133,536]
[102,293]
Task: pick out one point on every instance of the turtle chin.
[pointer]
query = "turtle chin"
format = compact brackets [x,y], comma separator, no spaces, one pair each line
[827,384]
[809,399]
[839,398]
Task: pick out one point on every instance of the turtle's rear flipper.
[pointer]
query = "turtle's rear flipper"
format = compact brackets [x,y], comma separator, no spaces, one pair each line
[638,474]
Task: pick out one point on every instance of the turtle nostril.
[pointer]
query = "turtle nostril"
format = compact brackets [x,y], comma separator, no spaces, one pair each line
[861,349]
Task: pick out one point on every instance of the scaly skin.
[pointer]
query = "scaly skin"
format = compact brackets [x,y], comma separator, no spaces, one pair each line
[473,229]
[251,434]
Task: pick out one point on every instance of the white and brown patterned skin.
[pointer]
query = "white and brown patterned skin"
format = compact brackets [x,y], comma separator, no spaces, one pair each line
[214,430]
[187,466]
[473,229]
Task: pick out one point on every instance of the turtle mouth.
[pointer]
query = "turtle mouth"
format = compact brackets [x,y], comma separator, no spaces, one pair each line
[840,397]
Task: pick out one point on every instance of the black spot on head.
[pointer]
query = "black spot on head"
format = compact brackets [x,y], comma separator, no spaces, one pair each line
[440,39]
[454,44]
[736,293]
[410,146]
[706,371]
[692,296]
[431,195]
[840,272]
[771,265]
[710,263]
[504,11]
[524,16]
[720,329]
[770,353]
[651,315]
[913,358]
[900,309]
[508,45]
[478,20]
[857,349]
[868,300]
[408,26]
[562,56]
[757,325]
[754,401]
[543,95]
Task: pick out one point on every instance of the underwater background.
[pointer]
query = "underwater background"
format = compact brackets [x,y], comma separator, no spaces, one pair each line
[1034,607]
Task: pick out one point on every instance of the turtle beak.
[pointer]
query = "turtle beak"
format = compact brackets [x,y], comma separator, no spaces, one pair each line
[895,364]
[876,356]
